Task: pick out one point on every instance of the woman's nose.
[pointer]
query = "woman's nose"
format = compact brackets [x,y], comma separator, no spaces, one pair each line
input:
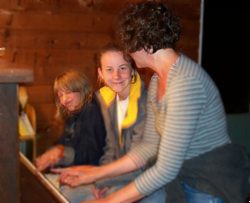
[63,99]
[116,74]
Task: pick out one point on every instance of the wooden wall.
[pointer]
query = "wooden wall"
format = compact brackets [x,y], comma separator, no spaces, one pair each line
[51,36]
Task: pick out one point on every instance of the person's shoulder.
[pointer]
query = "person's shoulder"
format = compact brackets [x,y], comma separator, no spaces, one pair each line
[187,68]
[95,101]
[93,105]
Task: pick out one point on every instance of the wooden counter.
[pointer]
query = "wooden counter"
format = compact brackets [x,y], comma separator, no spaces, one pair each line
[9,150]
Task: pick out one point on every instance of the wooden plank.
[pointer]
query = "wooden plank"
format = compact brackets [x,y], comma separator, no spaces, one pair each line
[44,64]
[189,41]
[61,5]
[5,17]
[45,114]
[34,185]
[51,56]
[40,94]
[186,9]
[9,165]
[44,5]
[113,6]
[74,22]
[8,4]
[9,168]
[10,75]
[20,58]
[34,39]
[68,57]
[52,73]
[54,5]
[190,27]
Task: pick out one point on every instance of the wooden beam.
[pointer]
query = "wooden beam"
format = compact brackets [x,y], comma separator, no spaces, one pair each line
[9,164]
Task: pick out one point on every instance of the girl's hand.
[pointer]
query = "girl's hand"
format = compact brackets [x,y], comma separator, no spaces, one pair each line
[49,158]
[73,169]
[99,193]
[76,175]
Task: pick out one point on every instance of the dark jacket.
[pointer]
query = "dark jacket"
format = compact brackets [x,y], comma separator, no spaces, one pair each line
[85,134]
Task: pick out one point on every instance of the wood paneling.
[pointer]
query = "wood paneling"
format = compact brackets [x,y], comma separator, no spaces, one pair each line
[40,94]
[73,22]
[46,40]
[52,36]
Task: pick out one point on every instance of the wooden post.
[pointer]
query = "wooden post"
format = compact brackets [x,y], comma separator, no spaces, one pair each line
[9,150]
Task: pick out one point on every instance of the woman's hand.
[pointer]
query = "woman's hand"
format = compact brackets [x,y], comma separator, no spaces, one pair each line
[99,193]
[77,175]
[49,158]
[74,169]
[128,193]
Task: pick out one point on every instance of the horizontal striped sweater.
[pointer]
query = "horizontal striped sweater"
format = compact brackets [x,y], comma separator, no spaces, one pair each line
[189,120]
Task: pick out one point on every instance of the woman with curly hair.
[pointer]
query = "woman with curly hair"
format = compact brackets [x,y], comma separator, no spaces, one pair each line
[185,132]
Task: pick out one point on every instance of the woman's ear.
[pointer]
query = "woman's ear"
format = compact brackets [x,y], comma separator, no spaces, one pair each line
[133,72]
[100,80]
[133,75]
[100,73]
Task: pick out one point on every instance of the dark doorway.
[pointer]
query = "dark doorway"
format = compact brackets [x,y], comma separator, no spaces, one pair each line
[225,51]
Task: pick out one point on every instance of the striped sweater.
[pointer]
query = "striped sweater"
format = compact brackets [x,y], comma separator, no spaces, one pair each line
[189,120]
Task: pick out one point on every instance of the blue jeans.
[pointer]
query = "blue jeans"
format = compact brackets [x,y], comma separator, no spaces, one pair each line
[195,196]
[80,193]
[158,196]
[77,194]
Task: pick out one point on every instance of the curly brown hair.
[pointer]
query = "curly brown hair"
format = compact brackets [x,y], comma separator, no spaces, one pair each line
[147,25]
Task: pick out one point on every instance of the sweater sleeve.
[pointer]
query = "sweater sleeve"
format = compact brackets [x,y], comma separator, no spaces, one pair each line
[138,154]
[183,103]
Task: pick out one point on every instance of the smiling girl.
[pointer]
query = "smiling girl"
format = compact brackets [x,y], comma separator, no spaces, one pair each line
[122,100]
[83,139]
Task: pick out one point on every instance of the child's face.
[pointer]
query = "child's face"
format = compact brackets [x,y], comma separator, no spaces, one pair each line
[116,72]
[69,100]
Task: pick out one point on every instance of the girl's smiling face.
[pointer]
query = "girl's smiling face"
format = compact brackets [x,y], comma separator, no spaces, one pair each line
[69,100]
[116,72]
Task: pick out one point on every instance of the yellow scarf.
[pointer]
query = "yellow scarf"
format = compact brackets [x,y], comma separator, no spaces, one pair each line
[108,96]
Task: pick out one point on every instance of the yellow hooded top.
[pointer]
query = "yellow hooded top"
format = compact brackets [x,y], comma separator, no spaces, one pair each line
[109,95]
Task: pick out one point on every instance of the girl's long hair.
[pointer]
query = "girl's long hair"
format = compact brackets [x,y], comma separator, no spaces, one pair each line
[72,81]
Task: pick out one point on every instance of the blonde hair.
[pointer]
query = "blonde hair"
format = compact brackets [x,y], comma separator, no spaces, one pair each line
[72,81]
